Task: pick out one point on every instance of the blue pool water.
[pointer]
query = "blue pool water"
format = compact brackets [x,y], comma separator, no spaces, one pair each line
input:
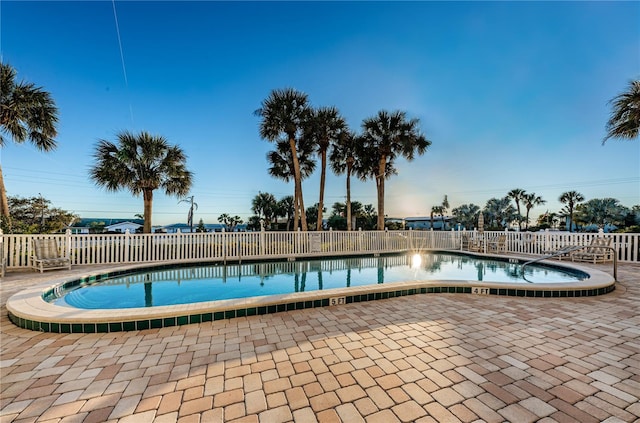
[183,285]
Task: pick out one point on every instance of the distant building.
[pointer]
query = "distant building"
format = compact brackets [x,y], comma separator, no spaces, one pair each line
[122,227]
[208,227]
[102,225]
[425,223]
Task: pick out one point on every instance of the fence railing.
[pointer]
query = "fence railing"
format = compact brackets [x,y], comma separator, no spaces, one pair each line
[88,249]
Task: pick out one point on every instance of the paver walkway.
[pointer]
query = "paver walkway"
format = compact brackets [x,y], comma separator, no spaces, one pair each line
[421,358]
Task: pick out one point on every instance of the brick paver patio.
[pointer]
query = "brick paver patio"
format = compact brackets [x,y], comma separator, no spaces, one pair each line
[421,358]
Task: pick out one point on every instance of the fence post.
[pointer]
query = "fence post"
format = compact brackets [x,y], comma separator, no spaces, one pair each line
[224,245]
[127,242]
[67,234]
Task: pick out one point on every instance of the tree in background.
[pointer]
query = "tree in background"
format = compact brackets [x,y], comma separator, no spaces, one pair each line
[517,195]
[285,208]
[369,217]
[282,164]
[284,112]
[499,213]
[466,215]
[601,212]
[27,113]
[141,163]
[190,213]
[385,137]
[35,215]
[343,159]
[201,227]
[323,128]
[547,220]
[531,200]
[229,221]
[625,114]
[312,215]
[264,206]
[571,199]
[444,207]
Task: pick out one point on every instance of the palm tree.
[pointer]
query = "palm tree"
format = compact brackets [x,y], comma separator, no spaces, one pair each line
[141,163]
[387,136]
[530,201]
[282,165]
[601,212]
[343,160]
[284,112]
[499,212]
[517,195]
[27,113]
[324,128]
[190,214]
[264,205]
[285,207]
[229,222]
[466,214]
[445,207]
[625,116]
[571,199]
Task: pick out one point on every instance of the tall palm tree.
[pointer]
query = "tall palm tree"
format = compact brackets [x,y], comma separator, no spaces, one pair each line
[571,199]
[27,113]
[282,166]
[530,201]
[323,128]
[191,208]
[387,136]
[343,158]
[445,207]
[141,163]
[625,116]
[284,112]
[517,195]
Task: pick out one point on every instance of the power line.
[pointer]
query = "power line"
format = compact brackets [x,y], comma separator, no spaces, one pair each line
[124,69]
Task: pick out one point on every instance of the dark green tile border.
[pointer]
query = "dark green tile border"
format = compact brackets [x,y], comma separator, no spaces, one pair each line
[299,305]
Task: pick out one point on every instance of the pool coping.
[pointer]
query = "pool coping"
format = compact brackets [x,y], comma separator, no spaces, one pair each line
[27,309]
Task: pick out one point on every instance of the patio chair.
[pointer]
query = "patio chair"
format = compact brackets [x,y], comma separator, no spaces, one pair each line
[47,255]
[498,245]
[599,251]
[470,244]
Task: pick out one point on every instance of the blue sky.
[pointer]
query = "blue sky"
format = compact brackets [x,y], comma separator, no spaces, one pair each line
[511,94]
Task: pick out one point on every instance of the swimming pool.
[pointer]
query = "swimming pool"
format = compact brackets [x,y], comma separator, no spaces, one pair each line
[197,283]
[28,309]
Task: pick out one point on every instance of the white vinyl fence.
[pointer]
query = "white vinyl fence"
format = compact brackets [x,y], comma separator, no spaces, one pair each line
[88,249]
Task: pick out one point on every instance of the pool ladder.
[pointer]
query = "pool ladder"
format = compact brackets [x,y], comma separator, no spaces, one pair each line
[567,250]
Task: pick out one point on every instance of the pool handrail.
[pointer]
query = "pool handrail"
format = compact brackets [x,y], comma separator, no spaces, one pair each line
[571,249]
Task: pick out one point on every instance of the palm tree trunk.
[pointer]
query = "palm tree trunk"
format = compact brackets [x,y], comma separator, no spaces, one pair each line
[323,174]
[148,203]
[349,198]
[570,220]
[298,182]
[382,166]
[296,210]
[4,203]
